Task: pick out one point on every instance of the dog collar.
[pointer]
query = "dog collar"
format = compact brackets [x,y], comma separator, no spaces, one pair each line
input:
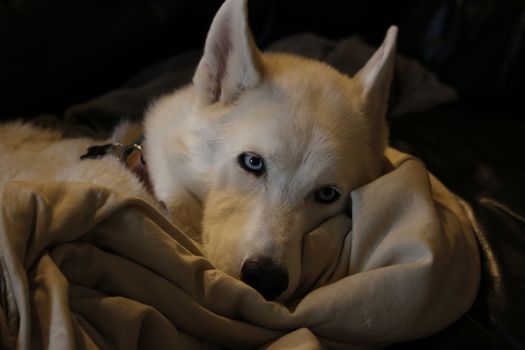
[130,155]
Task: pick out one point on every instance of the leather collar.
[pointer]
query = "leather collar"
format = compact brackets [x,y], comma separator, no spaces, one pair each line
[130,155]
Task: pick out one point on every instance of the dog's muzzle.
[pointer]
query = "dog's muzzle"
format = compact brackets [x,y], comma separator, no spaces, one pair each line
[265,276]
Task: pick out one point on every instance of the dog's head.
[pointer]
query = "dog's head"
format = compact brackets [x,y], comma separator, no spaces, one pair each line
[280,141]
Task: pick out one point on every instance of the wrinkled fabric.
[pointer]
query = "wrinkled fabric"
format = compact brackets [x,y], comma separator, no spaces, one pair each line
[87,267]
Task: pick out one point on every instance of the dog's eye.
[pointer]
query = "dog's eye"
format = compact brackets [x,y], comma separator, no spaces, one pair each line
[327,195]
[252,163]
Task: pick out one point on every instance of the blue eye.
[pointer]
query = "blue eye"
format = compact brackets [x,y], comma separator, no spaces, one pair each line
[327,195]
[252,163]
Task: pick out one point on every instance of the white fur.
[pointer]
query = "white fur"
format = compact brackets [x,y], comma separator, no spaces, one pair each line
[32,153]
[312,125]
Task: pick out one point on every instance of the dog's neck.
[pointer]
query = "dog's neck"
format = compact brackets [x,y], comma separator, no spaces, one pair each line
[131,155]
[134,161]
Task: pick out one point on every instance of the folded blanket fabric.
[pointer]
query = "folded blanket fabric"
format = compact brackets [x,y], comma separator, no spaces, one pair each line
[87,267]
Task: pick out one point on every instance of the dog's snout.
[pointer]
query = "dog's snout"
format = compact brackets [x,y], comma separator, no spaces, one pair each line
[267,277]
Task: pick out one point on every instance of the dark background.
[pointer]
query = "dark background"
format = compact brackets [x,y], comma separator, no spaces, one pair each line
[58,53]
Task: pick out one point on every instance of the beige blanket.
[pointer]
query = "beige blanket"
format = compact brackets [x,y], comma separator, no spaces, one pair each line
[88,267]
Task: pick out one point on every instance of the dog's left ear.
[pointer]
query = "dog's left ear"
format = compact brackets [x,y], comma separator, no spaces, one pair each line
[231,62]
[375,77]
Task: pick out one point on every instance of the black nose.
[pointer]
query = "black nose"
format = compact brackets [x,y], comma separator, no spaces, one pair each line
[265,276]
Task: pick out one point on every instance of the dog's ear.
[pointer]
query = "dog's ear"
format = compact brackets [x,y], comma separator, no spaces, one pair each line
[231,62]
[375,77]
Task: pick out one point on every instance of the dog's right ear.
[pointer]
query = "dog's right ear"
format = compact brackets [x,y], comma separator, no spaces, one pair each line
[231,62]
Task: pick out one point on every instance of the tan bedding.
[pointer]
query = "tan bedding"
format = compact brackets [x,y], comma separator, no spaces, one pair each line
[87,267]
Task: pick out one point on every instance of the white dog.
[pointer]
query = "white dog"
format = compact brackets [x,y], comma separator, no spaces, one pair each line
[258,151]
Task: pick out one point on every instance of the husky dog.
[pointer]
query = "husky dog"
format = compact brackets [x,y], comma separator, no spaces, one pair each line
[260,149]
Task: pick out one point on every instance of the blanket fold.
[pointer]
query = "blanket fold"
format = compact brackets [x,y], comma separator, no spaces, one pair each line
[83,266]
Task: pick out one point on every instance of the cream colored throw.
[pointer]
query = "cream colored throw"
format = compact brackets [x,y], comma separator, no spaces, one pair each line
[87,267]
